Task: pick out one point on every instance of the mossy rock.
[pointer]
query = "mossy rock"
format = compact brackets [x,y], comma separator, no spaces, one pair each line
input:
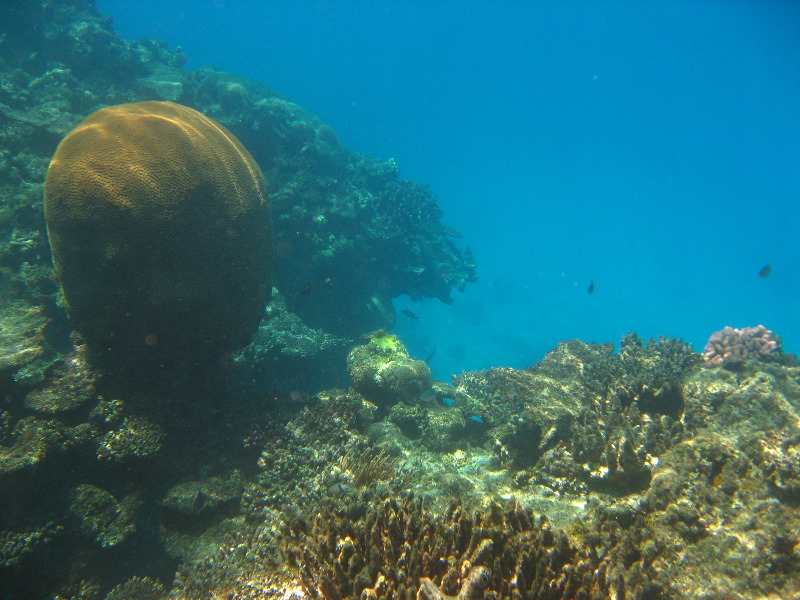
[384,373]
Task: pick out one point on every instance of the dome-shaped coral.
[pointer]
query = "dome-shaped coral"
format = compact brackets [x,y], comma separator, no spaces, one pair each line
[160,231]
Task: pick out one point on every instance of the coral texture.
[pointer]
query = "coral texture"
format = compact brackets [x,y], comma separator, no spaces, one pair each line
[731,346]
[160,232]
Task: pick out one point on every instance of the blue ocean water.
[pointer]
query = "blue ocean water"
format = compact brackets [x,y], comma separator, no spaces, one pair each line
[650,148]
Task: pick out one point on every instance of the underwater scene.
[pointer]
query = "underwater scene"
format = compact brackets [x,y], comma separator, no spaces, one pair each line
[399,300]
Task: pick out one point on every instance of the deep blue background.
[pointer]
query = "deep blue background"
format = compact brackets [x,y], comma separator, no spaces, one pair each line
[653,147]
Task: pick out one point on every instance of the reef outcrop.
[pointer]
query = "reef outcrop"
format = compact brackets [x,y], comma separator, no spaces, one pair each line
[350,234]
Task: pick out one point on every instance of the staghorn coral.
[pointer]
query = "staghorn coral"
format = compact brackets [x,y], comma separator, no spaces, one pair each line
[398,549]
[367,466]
[731,347]
[160,232]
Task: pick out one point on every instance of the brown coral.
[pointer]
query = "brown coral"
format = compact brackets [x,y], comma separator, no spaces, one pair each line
[398,549]
[731,346]
[160,232]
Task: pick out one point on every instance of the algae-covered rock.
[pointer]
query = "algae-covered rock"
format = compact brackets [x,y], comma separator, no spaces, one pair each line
[755,398]
[22,338]
[287,353]
[100,516]
[140,588]
[70,386]
[196,497]
[384,373]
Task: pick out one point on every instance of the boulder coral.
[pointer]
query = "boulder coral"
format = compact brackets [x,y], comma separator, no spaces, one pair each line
[160,232]
[384,373]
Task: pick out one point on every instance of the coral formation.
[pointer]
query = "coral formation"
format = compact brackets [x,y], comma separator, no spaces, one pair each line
[160,232]
[730,346]
[350,233]
[100,516]
[384,373]
[135,436]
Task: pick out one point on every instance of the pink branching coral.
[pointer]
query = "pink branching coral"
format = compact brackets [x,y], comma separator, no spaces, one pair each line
[730,345]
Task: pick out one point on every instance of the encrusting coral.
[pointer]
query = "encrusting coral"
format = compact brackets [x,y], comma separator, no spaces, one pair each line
[160,232]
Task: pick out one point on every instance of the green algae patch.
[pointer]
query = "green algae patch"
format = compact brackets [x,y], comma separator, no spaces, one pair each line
[386,342]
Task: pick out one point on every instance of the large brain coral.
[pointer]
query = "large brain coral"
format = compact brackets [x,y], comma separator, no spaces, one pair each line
[160,231]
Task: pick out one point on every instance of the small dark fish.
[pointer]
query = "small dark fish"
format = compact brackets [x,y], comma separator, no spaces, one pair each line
[409,314]
[430,356]
[306,289]
[765,271]
[591,287]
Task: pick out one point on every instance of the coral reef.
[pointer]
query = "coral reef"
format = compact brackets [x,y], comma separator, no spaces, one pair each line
[730,347]
[648,505]
[593,474]
[635,497]
[161,235]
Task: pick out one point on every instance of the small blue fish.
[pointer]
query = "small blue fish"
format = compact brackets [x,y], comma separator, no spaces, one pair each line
[765,271]
[591,287]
